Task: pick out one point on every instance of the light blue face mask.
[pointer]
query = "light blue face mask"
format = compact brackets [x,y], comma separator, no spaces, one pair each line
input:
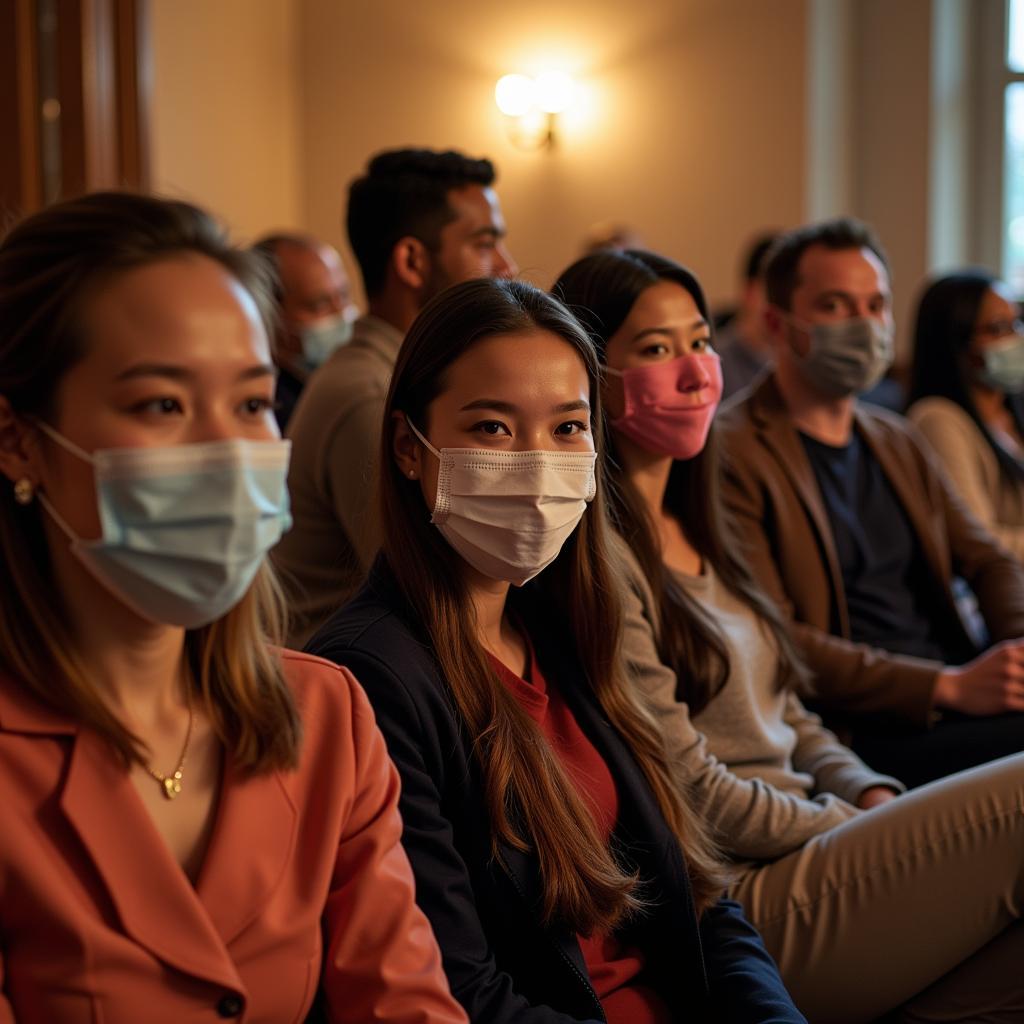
[185,528]
[322,339]
[1003,367]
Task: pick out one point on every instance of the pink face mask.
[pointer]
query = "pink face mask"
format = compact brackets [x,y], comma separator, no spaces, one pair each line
[669,406]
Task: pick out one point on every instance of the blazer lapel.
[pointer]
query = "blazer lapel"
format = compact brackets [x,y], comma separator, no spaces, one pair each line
[780,437]
[156,904]
[252,842]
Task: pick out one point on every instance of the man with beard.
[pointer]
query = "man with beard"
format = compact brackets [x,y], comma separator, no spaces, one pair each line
[418,221]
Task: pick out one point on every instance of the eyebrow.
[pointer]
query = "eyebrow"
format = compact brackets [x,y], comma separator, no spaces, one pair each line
[496,405]
[181,373]
[834,293]
[489,230]
[693,325]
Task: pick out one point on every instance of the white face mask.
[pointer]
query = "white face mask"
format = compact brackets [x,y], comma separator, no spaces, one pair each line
[509,513]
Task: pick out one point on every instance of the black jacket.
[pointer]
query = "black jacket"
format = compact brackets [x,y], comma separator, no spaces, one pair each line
[502,963]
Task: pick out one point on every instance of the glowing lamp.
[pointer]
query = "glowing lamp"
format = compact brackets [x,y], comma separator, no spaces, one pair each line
[531,106]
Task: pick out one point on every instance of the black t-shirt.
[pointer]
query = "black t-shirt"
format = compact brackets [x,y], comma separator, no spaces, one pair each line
[884,574]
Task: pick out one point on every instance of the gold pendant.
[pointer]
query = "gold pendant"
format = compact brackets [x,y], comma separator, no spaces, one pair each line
[172,785]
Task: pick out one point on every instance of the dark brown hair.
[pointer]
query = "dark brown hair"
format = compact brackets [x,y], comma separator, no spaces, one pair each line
[405,192]
[782,261]
[947,312]
[531,800]
[601,289]
[50,264]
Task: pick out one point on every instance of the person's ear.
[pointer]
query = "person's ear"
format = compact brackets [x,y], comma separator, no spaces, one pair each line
[406,448]
[774,325]
[410,262]
[19,449]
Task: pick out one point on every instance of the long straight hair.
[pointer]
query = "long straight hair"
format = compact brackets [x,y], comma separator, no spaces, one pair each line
[49,266]
[946,315]
[601,289]
[532,802]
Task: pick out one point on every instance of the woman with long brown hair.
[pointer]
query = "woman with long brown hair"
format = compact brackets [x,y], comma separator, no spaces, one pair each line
[867,899]
[564,875]
[195,823]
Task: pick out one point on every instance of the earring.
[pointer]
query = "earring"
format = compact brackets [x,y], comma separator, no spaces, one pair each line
[24,491]
[412,474]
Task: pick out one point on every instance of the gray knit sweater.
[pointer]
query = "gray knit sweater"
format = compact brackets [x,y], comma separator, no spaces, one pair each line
[762,770]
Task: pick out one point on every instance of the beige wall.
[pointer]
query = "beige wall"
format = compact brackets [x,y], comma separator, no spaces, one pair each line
[225,108]
[701,122]
[692,126]
[891,140]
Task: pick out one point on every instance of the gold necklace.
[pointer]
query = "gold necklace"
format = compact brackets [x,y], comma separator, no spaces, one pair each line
[172,783]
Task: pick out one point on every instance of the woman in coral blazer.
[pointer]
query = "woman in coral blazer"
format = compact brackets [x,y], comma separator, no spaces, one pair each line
[196,826]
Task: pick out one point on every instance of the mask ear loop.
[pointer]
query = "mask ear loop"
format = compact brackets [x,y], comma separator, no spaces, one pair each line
[441,502]
[68,446]
[423,440]
[58,519]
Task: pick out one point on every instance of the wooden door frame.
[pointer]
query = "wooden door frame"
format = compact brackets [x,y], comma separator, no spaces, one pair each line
[104,84]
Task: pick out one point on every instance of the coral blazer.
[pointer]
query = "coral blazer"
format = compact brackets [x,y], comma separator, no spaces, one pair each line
[305,884]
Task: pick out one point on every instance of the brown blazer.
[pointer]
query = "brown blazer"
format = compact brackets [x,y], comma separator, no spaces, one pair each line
[770,489]
[305,882]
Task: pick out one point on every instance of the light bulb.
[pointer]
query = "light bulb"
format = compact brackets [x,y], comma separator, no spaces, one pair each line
[555,91]
[515,95]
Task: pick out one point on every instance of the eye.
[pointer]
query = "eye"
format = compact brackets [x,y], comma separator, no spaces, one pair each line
[654,350]
[572,427]
[257,406]
[700,344]
[165,406]
[492,428]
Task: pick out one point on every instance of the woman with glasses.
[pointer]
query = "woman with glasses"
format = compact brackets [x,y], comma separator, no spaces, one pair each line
[966,395]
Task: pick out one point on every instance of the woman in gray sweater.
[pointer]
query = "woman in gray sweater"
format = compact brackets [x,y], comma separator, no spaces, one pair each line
[869,899]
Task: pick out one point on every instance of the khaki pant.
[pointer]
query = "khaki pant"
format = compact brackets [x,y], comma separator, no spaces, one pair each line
[913,905]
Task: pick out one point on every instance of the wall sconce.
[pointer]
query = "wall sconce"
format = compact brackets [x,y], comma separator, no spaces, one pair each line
[532,106]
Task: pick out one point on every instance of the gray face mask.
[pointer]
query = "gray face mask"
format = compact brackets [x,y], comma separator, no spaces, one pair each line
[846,356]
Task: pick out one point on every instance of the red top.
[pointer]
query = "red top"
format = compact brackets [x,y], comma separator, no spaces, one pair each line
[613,967]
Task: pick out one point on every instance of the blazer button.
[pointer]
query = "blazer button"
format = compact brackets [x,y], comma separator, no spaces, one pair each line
[229,1006]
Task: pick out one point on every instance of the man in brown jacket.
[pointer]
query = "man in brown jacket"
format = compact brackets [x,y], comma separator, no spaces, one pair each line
[418,221]
[850,526]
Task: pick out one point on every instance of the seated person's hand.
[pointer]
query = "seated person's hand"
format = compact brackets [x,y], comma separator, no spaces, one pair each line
[874,796]
[990,685]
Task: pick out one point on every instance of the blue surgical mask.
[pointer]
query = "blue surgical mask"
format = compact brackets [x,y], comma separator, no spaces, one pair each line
[320,340]
[185,528]
[1003,367]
